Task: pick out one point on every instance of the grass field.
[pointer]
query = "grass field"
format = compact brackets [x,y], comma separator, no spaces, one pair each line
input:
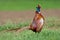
[29,35]
[50,31]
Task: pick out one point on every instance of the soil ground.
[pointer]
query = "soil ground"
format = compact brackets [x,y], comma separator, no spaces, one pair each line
[20,16]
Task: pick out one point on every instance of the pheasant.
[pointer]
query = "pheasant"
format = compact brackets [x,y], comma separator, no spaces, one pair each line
[38,21]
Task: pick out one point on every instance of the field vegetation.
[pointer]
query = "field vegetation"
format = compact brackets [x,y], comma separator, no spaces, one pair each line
[50,31]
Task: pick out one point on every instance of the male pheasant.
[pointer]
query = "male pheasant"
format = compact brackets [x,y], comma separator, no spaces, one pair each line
[38,21]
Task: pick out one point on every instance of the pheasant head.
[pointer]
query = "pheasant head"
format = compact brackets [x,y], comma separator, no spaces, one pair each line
[38,8]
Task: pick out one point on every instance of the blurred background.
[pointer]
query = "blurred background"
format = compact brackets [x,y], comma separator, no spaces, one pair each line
[18,10]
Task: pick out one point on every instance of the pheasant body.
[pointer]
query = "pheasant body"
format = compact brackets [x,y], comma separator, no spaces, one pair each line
[37,22]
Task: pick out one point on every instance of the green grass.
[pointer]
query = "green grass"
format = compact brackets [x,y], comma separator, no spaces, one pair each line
[10,25]
[52,22]
[19,5]
[45,34]
[29,35]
